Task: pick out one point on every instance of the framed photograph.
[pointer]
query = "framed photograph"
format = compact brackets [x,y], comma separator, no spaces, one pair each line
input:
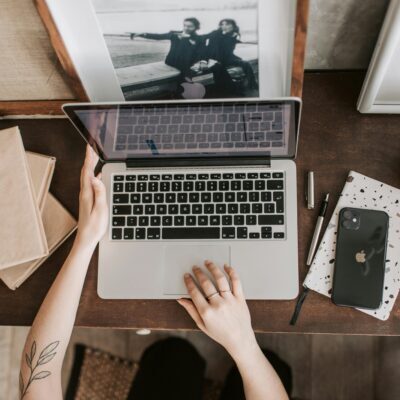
[381,90]
[168,49]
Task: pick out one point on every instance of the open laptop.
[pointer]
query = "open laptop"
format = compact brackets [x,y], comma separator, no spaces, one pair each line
[189,182]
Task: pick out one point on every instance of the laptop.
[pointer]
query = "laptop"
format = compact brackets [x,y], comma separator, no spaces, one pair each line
[195,181]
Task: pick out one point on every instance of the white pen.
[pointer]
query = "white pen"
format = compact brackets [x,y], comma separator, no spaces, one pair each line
[317,230]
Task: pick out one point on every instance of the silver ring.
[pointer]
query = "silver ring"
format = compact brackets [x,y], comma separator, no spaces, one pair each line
[225,291]
[212,295]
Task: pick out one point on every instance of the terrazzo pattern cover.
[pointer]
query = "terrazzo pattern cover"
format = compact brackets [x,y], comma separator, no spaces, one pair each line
[361,192]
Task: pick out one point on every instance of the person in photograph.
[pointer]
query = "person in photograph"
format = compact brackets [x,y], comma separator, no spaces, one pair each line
[218,56]
[185,45]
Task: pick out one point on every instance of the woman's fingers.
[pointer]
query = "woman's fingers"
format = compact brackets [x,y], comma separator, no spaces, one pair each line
[100,198]
[192,311]
[236,284]
[198,299]
[219,277]
[208,287]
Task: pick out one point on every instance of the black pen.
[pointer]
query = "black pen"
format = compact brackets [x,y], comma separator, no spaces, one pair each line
[317,230]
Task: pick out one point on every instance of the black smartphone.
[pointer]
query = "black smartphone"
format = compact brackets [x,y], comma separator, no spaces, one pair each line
[360,258]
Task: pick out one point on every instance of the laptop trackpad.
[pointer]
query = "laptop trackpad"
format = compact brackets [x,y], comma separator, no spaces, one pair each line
[179,259]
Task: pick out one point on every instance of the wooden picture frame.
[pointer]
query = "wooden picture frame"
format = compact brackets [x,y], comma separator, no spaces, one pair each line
[53,107]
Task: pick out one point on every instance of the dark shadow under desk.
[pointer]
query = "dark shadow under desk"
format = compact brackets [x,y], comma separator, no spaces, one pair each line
[334,139]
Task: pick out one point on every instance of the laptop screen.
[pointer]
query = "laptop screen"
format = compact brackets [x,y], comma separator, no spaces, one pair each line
[170,130]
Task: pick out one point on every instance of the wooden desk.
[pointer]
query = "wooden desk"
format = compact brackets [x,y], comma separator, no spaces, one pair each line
[334,139]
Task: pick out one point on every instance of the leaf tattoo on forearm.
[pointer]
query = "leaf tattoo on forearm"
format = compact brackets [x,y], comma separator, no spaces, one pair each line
[45,356]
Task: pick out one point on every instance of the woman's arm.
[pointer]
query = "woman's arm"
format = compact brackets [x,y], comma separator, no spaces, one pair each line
[153,36]
[47,341]
[222,313]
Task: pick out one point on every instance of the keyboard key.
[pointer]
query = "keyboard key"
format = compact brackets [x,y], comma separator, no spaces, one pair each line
[130,187]
[165,186]
[121,198]
[176,186]
[200,186]
[118,187]
[185,209]
[138,209]
[278,198]
[131,177]
[220,208]
[279,235]
[275,185]
[173,209]
[155,221]
[167,220]
[241,197]
[167,177]
[215,176]
[158,197]
[131,221]
[188,186]
[194,197]
[206,197]
[248,185]
[143,221]
[229,197]
[270,220]
[118,221]
[211,186]
[179,220]
[141,187]
[191,233]
[170,197]
[251,220]
[182,197]
[254,196]
[197,209]
[191,177]
[191,220]
[214,220]
[223,185]
[259,185]
[233,208]
[149,209]
[265,175]
[118,177]
[203,220]
[203,176]
[241,233]
[236,185]
[266,196]
[238,220]
[252,175]
[143,177]
[122,210]
[277,175]
[140,233]
[218,197]
[256,208]
[153,186]
[254,235]
[208,208]
[147,198]
[227,176]
[153,233]
[128,233]
[179,177]
[228,233]
[161,209]
[244,208]
[269,208]
[240,176]
[227,220]
[116,233]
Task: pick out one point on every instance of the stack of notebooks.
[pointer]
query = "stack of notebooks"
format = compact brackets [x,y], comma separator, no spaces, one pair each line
[33,223]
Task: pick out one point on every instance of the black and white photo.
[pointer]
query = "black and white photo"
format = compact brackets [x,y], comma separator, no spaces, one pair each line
[182,50]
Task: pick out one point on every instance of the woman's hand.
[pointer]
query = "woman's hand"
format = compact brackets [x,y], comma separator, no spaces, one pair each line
[219,311]
[93,209]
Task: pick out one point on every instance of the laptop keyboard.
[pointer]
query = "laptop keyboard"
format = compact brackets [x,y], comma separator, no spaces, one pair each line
[198,205]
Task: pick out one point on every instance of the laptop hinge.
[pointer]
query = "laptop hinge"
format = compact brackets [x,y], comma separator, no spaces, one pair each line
[198,162]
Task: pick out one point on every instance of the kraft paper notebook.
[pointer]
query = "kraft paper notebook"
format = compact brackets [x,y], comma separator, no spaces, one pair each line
[42,169]
[362,192]
[22,236]
[58,225]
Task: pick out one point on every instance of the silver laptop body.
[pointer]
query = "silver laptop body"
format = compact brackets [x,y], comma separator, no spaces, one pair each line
[189,182]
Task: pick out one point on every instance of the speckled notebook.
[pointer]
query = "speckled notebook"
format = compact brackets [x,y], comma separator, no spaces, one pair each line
[362,192]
